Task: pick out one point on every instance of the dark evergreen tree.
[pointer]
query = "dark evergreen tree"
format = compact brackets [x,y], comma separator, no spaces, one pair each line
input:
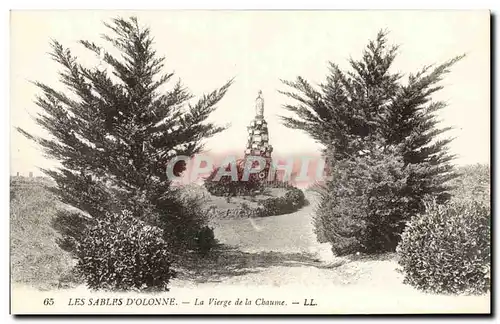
[369,111]
[114,132]
[411,123]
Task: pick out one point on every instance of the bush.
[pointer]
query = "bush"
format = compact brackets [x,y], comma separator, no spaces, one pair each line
[447,248]
[274,206]
[226,186]
[296,197]
[363,208]
[293,200]
[279,184]
[120,252]
[205,240]
[182,232]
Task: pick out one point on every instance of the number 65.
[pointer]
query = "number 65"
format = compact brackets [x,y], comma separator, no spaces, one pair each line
[48,301]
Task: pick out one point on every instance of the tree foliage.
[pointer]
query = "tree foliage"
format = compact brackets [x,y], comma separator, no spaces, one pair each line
[370,110]
[114,131]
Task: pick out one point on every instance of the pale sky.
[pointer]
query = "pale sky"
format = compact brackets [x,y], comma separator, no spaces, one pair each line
[258,48]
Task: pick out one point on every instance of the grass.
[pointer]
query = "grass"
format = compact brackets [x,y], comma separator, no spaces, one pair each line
[474,183]
[35,257]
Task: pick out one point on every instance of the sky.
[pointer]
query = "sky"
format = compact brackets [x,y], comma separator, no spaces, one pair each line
[258,49]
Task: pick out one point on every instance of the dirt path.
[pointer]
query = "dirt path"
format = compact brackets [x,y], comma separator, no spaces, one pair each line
[282,251]
[291,233]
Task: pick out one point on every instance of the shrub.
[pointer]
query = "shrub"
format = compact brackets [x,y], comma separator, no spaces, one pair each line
[293,200]
[447,248]
[226,186]
[192,232]
[274,206]
[120,252]
[295,196]
[279,184]
[182,232]
[205,240]
[363,208]
[72,226]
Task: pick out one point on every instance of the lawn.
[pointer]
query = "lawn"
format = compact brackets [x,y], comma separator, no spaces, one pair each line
[35,257]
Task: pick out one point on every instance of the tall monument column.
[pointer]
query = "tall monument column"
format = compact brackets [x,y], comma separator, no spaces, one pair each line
[258,138]
[258,135]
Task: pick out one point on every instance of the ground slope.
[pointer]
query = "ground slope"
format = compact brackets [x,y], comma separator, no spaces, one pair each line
[274,257]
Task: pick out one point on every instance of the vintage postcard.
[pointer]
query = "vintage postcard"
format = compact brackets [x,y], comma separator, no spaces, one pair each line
[250,162]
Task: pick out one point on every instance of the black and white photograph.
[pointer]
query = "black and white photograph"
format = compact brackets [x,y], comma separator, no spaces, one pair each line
[250,162]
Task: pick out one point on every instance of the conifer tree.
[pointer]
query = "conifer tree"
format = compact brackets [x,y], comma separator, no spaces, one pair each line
[114,132]
[346,112]
[370,111]
[411,122]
